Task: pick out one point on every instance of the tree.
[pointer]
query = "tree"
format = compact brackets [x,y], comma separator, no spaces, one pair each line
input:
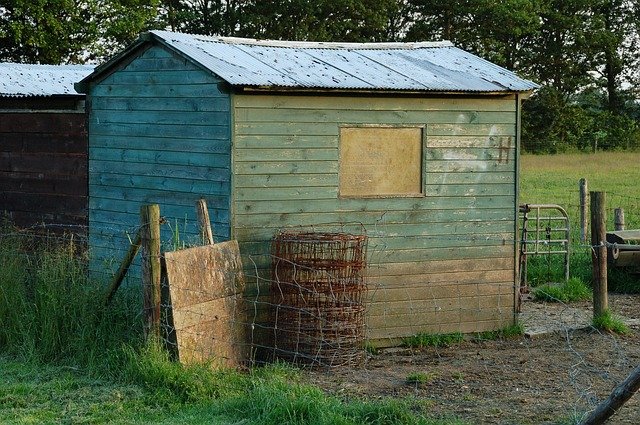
[46,31]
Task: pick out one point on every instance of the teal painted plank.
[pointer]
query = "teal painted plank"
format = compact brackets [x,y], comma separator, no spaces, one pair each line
[162,90]
[165,64]
[160,117]
[285,180]
[159,170]
[385,204]
[221,103]
[163,77]
[195,146]
[351,116]
[158,130]
[153,196]
[217,213]
[308,167]
[372,103]
[242,155]
[186,220]
[256,141]
[184,159]
[163,183]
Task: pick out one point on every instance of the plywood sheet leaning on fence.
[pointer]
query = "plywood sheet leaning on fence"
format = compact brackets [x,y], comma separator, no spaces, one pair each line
[208,315]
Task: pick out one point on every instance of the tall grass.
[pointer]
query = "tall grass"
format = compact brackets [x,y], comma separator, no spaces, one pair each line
[51,311]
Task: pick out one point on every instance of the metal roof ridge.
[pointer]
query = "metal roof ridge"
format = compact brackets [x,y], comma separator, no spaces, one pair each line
[310,44]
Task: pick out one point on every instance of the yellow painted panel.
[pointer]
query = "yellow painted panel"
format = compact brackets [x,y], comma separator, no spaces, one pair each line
[380,161]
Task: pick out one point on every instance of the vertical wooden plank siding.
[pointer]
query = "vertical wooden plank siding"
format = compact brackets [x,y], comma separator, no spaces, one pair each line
[441,262]
[43,166]
[158,133]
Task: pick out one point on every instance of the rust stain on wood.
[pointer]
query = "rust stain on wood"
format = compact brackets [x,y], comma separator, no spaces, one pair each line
[206,285]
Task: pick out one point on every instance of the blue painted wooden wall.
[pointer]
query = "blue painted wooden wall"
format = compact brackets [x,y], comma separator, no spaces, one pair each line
[159,132]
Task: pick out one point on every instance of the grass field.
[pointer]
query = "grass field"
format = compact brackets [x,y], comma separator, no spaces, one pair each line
[554,179]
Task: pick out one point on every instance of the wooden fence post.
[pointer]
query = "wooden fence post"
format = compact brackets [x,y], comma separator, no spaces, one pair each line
[124,268]
[599,252]
[583,210]
[619,396]
[205,224]
[151,271]
[618,220]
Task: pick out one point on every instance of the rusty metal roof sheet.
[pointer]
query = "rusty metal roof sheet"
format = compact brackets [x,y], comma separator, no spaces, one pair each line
[430,66]
[27,80]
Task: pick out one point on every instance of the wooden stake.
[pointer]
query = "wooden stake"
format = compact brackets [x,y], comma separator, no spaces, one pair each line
[205,224]
[618,219]
[124,268]
[599,252]
[151,271]
[619,396]
[583,210]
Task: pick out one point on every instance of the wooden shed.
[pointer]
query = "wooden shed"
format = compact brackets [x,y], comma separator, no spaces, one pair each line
[43,145]
[416,143]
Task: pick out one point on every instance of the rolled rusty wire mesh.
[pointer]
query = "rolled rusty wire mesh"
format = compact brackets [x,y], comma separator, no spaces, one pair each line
[317,290]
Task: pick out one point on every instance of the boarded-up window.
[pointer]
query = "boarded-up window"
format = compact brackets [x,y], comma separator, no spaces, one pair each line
[380,161]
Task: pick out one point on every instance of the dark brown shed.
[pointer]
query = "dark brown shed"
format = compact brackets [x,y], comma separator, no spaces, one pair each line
[43,145]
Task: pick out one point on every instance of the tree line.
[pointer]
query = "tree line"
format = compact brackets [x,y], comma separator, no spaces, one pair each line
[584,53]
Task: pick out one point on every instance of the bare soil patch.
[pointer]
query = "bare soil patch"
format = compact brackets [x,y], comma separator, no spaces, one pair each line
[556,376]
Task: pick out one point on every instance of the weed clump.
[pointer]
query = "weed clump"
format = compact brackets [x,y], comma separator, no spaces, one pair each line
[423,340]
[607,322]
[570,291]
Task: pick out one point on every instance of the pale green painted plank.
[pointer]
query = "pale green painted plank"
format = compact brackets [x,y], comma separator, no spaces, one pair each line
[187,118]
[468,166]
[471,130]
[159,130]
[285,180]
[448,230]
[371,219]
[385,204]
[159,170]
[351,116]
[285,193]
[480,189]
[257,141]
[470,178]
[307,167]
[221,103]
[195,146]
[465,154]
[395,103]
[456,141]
[286,129]
[184,159]
[246,155]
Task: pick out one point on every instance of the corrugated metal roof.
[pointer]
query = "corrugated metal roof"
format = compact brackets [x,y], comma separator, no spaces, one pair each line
[438,66]
[27,80]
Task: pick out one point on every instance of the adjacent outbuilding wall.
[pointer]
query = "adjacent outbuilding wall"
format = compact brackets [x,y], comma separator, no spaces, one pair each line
[43,146]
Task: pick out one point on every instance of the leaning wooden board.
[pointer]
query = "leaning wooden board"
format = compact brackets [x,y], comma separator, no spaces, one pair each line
[205,285]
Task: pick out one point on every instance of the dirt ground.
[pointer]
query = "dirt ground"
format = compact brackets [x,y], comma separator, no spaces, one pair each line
[554,375]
